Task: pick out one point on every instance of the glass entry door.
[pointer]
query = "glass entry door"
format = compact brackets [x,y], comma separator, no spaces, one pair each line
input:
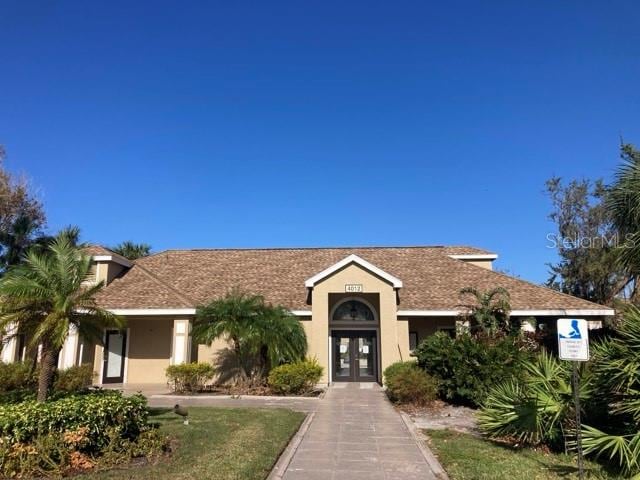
[114,352]
[354,356]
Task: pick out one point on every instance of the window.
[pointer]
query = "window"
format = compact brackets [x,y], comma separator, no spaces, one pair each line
[413,341]
[451,331]
[353,311]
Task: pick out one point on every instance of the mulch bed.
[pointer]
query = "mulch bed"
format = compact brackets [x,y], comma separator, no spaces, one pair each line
[240,390]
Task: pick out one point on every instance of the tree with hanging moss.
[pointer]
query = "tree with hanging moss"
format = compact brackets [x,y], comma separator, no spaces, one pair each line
[21,217]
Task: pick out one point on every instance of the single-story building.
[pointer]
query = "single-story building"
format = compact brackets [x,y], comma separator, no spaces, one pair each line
[362,308]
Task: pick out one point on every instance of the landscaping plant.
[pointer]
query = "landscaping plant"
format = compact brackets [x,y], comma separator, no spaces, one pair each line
[615,432]
[74,433]
[261,336]
[45,296]
[406,382]
[466,367]
[489,312]
[295,378]
[74,379]
[189,377]
[16,376]
[537,408]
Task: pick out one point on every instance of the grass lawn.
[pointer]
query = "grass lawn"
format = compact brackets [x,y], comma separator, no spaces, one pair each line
[218,443]
[467,457]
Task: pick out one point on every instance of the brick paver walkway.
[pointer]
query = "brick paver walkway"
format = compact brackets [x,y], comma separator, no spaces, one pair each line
[357,434]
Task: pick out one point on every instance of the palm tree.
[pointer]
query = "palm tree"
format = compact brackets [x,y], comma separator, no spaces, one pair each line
[46,295]
[490,310]
[131,250]
[279,337]
[261,335]
[623,203]
[17,240]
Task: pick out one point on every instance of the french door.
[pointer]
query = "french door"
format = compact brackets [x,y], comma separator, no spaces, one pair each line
[354,356]
[114,353]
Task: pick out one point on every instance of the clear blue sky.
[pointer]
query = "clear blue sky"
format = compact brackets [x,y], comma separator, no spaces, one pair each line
[236,124]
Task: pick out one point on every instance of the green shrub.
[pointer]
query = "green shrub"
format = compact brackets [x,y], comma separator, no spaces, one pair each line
[189,377]
[98,412]
[74,379]
[56,454]
[406,382]
[16,376]
[295,378]
[466,367]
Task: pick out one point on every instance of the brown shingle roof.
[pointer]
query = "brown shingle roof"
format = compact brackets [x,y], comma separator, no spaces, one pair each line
[432,280]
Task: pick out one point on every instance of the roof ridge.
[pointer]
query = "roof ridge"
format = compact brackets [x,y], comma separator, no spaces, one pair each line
[517,279]
[174,290]
[362,247]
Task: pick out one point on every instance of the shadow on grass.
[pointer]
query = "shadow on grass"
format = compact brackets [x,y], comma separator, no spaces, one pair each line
[157,411]
[603,471]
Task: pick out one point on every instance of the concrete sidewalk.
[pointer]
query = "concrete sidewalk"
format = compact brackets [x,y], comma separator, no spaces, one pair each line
[357,434]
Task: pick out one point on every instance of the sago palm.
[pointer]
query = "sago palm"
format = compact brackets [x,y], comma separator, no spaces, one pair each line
[45,295]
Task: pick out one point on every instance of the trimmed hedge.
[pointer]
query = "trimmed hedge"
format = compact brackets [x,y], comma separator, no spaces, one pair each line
[189,377]
[99,412]
[295,378]
[406,382]
[16,376]
[74,379]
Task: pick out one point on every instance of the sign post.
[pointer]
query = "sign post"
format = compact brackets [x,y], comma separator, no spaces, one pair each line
[573,345]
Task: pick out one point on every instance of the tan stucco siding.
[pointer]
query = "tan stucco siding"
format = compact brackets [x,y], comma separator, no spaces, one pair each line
[149,349]
[425,326]
[108,271]
[488,264]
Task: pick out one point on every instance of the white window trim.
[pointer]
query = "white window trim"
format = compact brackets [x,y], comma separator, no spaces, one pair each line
[396,282]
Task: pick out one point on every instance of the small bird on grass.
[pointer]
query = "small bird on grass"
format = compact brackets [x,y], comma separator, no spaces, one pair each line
[183,412]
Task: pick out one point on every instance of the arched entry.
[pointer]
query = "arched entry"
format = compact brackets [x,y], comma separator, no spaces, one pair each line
[354,342]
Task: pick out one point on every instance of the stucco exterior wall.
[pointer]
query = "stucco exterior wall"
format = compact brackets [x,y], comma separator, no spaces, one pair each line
[149,349]
[108,271]
[488,264]
[425,326]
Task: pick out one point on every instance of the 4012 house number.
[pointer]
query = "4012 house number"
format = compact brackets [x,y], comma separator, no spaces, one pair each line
[353,288]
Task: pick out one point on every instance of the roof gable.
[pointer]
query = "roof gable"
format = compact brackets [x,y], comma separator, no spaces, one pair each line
[353,260]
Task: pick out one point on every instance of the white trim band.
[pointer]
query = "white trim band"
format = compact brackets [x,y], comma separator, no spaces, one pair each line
[396,282]
[179,311]
[471,256]
[112,258]
[514,313]
[153,311]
